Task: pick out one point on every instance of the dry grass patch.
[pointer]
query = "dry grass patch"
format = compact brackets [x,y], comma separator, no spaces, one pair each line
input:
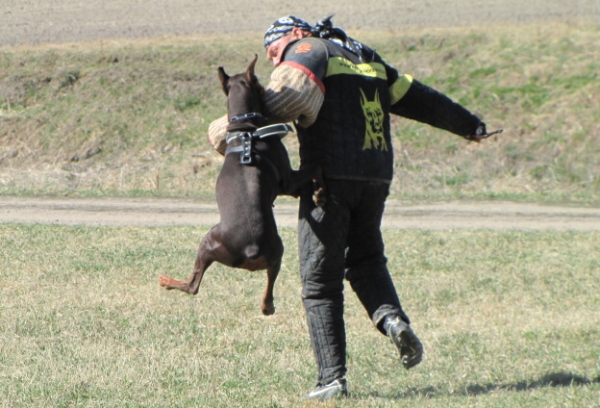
[508,319]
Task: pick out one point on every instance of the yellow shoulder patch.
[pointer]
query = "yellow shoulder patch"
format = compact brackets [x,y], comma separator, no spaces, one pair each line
[340,65]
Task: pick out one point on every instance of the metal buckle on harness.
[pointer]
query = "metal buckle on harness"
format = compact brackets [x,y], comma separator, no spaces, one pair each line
[245,148]
[246,116]
[246,156]
[280,130]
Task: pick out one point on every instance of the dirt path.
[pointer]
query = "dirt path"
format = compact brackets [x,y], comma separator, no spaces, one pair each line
[171,212]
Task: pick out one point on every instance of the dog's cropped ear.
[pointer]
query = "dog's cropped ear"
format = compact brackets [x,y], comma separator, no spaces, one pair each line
[224,79]
[250,76]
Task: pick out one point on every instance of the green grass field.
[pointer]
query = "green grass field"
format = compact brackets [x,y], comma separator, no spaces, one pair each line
[507,318]
[130,118]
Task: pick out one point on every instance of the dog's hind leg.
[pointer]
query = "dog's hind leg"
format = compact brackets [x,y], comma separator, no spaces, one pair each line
[192,284]
[267,306]
[204,258]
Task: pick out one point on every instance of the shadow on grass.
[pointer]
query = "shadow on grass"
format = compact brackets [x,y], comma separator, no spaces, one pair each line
[560,379]
[548,380]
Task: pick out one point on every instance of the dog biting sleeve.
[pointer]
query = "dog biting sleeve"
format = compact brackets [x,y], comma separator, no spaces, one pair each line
[217,132]
[292,95]
[296,91]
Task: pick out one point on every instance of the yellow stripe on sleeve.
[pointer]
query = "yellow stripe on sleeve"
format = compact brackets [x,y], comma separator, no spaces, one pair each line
[400,87]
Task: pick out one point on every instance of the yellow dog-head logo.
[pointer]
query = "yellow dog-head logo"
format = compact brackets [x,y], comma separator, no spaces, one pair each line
[374,137]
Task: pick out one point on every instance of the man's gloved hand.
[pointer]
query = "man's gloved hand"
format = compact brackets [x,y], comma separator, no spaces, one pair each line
[481,133]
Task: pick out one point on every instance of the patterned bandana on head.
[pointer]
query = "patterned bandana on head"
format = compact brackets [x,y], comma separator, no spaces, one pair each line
[282,27]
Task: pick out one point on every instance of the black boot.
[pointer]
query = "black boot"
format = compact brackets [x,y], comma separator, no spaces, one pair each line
[407,342]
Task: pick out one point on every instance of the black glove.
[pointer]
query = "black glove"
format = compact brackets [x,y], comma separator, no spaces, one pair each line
[478,133]
[481,133]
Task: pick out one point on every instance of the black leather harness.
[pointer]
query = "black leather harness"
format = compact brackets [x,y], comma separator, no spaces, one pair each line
[247,138]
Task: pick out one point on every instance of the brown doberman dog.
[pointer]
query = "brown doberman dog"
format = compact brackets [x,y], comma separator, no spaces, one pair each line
[255,171]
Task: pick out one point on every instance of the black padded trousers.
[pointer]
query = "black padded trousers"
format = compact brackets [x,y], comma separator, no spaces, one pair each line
[343,240]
